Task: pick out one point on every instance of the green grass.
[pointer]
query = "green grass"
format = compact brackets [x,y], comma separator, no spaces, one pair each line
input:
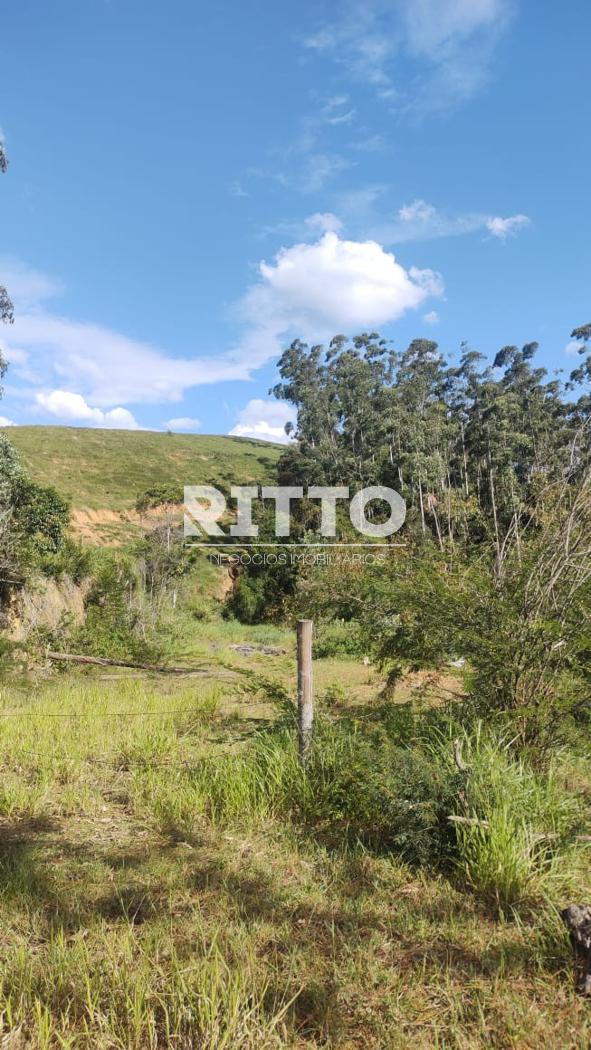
[108,469]
[166,879]
[518,847]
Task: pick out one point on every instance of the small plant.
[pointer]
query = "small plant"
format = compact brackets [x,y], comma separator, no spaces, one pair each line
[333,696]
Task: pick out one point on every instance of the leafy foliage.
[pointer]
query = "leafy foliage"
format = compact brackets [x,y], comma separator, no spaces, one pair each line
[114,625]
[464,444]
[40,514]
[34,520]
[158,496]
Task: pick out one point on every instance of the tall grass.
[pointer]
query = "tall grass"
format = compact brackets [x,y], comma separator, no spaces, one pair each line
[518,843]
[174,879]
[354,790]
[129,994]
[245,788]
[514,843]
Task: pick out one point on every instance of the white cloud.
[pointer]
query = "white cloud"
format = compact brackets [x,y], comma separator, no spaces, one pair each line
[112,368]
[369,143]
[312,226]
[264,420]
[323,222]
[418,211]
[69,406]
[421,221]
[336,111]
[302,166]
[79,370]
[431,318]
[47,351]
[18,360]
[315,290]
[119,419]
[336,284]
[183,423]
[573,348]
[237,189]
[436,26]
[29,288]
[418,220]
[4,422]
[503,228]
[357,41]
[317,169]
[449,42]
[341,118]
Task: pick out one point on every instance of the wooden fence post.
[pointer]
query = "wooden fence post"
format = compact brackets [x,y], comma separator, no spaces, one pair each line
[305,695]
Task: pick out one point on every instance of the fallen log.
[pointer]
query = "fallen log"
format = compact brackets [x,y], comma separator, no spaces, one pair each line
[104,661]
[227,677]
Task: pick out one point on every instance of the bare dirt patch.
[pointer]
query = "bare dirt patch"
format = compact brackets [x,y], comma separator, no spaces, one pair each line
[109,528]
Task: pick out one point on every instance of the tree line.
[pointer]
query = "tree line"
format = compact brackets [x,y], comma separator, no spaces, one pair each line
[470,446]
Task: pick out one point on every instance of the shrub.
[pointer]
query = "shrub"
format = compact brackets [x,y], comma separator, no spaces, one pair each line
[114,626]
[33,523]
[514,846]
[517,846]
[71,559]
[338,639]
[41,515]
[374,791]
[518,618]
[261,593]
[355,790]
[158,496]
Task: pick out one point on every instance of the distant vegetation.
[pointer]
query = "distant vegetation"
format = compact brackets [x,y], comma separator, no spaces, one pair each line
[109,469]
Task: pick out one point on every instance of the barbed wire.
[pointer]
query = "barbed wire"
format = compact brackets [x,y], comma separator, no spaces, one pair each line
[73,716]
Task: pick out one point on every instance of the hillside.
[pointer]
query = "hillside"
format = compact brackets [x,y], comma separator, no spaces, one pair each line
[103,471]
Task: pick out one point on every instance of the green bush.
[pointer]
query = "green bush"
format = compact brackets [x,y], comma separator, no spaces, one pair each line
[71,559]
[338,639]
[114,625]
[261,593]
[41,515]
[34,520]
[158,496]
[374,791]
[355,789]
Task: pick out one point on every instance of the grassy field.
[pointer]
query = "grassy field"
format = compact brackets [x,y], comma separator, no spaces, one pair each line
[108,469]
[170,877]
[155,891]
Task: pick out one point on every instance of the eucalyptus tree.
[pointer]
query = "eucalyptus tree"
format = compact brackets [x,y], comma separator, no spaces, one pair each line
[6,307]
[469,446]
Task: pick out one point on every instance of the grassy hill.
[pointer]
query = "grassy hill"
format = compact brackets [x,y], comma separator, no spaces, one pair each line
[108,469]
[103,471]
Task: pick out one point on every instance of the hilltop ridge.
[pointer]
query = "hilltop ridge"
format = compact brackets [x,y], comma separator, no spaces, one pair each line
[102,472]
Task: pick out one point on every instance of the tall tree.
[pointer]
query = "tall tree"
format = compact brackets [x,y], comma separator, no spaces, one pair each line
[467,446]
[6,307]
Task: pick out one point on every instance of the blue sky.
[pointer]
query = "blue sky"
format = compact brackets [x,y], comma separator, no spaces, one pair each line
[193,185]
